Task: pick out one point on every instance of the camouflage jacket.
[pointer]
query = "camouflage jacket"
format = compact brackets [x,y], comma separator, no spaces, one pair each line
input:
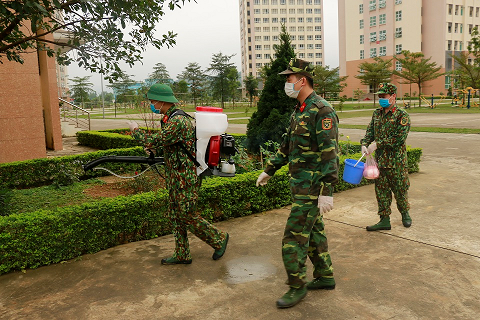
[178,166]
[390,131]
[310,147]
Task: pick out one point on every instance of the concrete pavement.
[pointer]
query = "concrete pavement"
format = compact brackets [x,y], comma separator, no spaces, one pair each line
[428,271]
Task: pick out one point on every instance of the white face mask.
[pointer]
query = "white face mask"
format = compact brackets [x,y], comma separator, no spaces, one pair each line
[290,89]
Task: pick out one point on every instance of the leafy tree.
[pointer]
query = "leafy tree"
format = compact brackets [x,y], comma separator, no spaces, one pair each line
[122,89]
[193,75]
[118,30]
[374,73]
[465,74]
[417,69]
[251,86]
[220,67]
[233,84]
[270,120]
[80,89]
[328,81]
[160,73]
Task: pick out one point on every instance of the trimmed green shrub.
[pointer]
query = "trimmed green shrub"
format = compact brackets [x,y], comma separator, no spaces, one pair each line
[36,172]
[43,237]
[105,140]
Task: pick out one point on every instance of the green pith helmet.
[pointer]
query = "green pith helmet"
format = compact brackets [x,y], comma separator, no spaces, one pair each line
[301,67]
[161,92]
[386,88]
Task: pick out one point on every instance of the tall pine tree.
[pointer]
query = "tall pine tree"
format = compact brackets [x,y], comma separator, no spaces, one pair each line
[271,119]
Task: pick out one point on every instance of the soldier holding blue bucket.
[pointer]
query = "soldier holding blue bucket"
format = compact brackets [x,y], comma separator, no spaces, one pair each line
[386,134]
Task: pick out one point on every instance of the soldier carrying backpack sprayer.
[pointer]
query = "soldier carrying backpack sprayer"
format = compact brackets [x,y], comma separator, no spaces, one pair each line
[177,139]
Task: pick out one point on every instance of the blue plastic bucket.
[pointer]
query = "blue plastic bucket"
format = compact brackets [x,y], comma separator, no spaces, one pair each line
[353,174]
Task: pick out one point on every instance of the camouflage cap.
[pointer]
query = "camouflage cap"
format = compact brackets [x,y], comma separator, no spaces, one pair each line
[301,67]
[386,88]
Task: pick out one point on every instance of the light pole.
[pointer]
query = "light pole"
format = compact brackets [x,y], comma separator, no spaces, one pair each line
[101,83]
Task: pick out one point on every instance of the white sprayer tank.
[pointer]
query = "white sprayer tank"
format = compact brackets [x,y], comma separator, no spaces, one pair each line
[209,121]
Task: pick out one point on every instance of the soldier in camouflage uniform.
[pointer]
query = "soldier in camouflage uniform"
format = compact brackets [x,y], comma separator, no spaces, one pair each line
[387,133]
[181,178]
[310,148]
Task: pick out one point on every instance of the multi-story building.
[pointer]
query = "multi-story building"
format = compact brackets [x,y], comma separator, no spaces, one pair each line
[260,23]
[383,28]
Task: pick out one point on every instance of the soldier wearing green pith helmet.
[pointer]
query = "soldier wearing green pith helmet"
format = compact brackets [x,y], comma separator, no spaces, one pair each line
[386,135]
[180,174]
[310,149]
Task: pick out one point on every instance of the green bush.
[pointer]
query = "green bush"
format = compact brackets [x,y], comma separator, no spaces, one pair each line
[31,173]
[105,140]
[33,239]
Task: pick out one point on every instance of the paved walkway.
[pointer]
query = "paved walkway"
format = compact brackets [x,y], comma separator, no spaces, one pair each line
[429,271]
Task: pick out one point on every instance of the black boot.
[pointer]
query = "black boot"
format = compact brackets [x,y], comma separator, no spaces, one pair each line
[406,220]
[383,224]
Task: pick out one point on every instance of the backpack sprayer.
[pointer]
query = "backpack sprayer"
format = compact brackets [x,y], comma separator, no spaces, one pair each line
[214,148]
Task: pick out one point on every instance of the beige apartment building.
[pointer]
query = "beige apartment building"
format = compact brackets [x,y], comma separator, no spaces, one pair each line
[383,28]
[260,25]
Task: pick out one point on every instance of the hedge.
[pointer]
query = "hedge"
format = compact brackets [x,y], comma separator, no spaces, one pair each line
[37,172]
[33,239]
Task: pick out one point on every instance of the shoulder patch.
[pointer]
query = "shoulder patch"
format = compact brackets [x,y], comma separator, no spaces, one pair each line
[327,124]
[404,121]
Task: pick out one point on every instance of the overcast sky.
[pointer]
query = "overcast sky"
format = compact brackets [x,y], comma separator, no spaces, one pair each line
[206,28]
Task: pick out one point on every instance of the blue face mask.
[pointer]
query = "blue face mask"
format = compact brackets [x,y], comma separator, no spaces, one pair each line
[152,107]
[384,103]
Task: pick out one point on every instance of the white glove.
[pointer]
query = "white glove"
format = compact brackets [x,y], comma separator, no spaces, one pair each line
[263,179]
[364,150]
[372,147]
[325,203]
[132,125]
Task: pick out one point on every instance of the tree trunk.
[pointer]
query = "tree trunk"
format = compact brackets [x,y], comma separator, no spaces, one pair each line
[419,94]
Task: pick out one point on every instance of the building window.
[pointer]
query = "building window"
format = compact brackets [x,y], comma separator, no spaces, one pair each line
[382,19]
[301,46]
[456,9]
[373,52]
[309,28]
[310,37]
[258,47]
[470,28]
[449,45]
[382,35]
[266,55]
[461,28]
[361,23]
[291,2]
[301,29]
[274,29]
[318,37]
[360,8]
[398,1]
[258,38]
[291,19]
[257,20]
[318,55]
[309,46]
[316,2]
[256,11]
[310,20]
[382,3]
[470,11]
[266,38]
[300,19]
[293,29]
[398,15]
[456,27]
[450,9]
[455,45]
[310,55]
[362,54]
[449,27]
[265,2]
[265,20]
[373,5]
[318,63]
[258,65]
[373,36]
[257,2]
[301,37]
[398,48]
[258,29]
[317,11]
[398,66]
[258,56]
[477,11]
[461,46]
[291,11]
[300,11]
[283,20]
[266,29]
[398,32]
[300,2]
[318,46]
[318,28]
[362,38]
[301,55]
[318,19]
[373,21]
[309,11]
[274,20]
[293,38]
[308,2]
[382,51]
[265,11]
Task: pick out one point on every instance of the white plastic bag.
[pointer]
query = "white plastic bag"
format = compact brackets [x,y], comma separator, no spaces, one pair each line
[371,169]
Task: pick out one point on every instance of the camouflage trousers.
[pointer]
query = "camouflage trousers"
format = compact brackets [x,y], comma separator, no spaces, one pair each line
[184,217]
[392,181]
[304,235]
